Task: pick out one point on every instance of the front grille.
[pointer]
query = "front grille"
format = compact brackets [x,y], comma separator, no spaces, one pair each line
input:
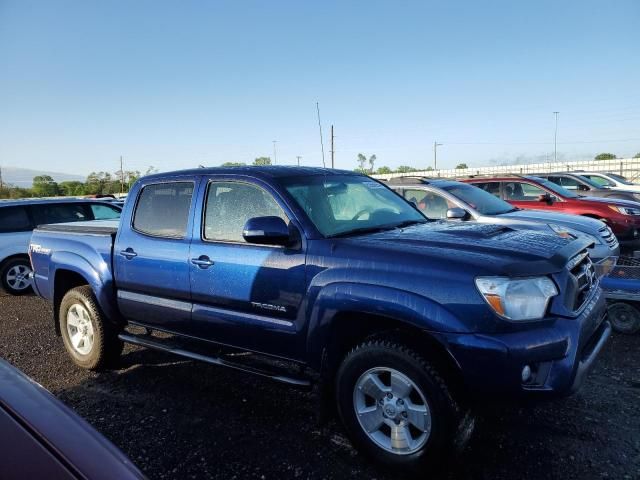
[582,278]
[608,237]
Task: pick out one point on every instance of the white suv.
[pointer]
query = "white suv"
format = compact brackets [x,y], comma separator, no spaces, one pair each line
[611,180]
[19,217]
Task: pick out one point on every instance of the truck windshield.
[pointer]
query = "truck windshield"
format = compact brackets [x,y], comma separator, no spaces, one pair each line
[341,205]
[483,202]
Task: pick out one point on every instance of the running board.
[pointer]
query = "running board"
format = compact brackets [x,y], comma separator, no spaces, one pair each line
[158,345]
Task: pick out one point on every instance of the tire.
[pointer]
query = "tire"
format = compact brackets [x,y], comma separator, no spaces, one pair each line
[90,339]
[13,276]
[417,404]
[624,317]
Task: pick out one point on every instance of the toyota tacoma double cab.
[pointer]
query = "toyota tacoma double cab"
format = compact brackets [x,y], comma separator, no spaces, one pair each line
[329,278]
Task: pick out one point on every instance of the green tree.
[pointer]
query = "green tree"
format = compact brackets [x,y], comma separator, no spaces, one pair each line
[383,170]
[233,164]
[637,155]
[362,162]
[461,165]
[372,161]
[71,188]
[605,156]
[405,169]
[44,186]
[262,161]
[429,168]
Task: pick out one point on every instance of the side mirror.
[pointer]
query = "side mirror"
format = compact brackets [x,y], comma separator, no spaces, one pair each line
[456,213]
[545,197]
[266,231]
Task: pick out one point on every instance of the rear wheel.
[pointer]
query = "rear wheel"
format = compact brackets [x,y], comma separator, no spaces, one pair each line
[90,339]
[14,276]
[395,406]
[624,318]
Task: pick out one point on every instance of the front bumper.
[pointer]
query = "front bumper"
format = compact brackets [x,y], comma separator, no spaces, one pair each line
[559,355]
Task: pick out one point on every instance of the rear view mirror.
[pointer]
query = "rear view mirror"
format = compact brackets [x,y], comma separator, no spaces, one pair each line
[268,230]
[456,213]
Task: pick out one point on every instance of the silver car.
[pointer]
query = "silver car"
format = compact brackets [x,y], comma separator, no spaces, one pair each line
[451,200]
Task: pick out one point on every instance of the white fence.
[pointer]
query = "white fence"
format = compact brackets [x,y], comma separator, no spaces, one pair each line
[628,167]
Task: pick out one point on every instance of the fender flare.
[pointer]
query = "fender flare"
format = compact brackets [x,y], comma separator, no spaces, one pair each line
[406,307]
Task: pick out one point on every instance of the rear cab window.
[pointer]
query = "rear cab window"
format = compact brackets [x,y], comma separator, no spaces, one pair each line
[163,209]
[492,187]
[14,219]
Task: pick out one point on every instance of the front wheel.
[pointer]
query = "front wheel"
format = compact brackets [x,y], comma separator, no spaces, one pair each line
[395,406]
[90,339]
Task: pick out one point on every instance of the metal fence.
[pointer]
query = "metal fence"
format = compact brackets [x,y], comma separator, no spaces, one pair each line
[627,167]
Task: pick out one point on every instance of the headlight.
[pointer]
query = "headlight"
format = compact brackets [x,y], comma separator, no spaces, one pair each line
[563,232]
[625,210]
[517,299]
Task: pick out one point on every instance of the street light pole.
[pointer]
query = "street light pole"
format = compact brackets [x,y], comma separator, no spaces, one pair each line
[275,155]
[555,139]
[435,154]
[298,157]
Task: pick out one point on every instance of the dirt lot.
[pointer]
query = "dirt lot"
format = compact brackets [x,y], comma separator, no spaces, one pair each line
[180,419]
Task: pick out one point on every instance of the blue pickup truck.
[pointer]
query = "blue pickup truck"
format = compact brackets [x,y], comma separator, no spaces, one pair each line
[329,278]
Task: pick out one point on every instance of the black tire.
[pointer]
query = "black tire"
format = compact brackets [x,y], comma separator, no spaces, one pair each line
[624,318]
[11,284]
[444,410]
[106,347]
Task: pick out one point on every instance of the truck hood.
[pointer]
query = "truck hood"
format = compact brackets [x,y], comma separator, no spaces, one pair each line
[582,224]
[505,249]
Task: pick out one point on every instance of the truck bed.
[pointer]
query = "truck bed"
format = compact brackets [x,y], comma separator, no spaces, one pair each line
[94,227]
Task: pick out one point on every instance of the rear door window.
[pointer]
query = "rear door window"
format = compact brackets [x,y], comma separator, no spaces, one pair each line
[60,213]
[163,209]
[14,219]
[104,212]
[522,192]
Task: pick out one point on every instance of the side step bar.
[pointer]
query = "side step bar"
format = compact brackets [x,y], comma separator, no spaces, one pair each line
[158,345]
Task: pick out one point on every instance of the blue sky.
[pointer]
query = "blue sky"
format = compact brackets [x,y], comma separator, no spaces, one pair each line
[179,83]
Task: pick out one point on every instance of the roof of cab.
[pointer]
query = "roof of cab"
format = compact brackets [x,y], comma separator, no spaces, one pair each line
[270,171]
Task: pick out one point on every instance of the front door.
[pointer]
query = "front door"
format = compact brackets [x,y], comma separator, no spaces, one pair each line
[245,295]
[527,195]
[151,256]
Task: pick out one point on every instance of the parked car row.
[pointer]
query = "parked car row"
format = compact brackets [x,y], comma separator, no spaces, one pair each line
[328,277]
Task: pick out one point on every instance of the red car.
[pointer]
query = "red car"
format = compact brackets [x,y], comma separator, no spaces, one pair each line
[536,193]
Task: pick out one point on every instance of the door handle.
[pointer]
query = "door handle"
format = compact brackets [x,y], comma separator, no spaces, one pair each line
[128,253]
[202,261]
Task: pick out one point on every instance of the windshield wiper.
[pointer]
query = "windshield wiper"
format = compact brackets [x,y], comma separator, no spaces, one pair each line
[408,223]
[362,230]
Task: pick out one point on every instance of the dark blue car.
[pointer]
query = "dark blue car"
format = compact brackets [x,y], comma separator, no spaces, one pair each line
[329,277]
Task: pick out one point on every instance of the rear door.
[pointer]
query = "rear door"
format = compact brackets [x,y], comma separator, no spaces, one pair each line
[245,295]
[151,255]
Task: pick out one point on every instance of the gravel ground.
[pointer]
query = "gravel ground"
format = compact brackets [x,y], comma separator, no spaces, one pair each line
[180,419]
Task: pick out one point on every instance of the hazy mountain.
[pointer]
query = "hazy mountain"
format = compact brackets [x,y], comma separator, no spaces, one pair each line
[23,177]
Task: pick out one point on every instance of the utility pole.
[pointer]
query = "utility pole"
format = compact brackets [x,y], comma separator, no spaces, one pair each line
[555,139]
[121,176]
[332,150]
[275,153]
[320,128]
[1,184]
[298,157]
[435,154]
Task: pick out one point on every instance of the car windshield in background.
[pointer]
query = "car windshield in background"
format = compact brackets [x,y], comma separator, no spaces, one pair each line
[346,204]
[484,202]
[620,178]
[554,187]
